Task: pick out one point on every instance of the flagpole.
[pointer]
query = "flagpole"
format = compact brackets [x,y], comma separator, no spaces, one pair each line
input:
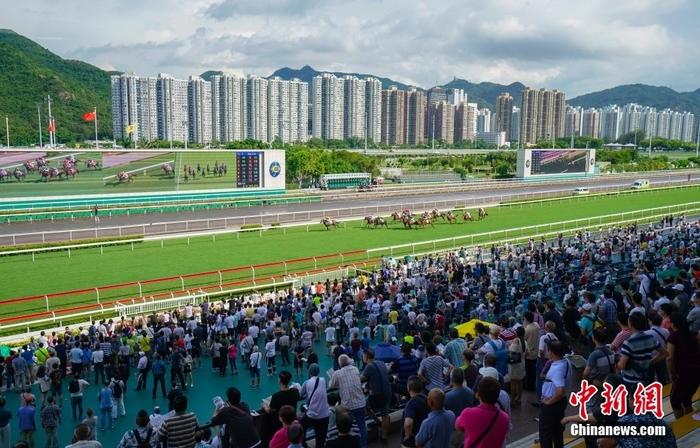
[97,145]
[7,129]
[52,137]
[38,111]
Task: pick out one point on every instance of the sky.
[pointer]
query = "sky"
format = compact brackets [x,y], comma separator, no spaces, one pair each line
[575,46]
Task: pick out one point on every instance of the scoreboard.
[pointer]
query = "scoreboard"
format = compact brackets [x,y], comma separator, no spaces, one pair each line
[248,169]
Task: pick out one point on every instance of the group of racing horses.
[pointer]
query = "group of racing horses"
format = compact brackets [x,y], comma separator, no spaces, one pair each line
[411,220]
[68,168]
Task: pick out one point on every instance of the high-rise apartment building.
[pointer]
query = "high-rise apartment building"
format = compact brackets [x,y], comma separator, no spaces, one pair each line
[572,123]
[590,123]
[327,107]
[354,118]
[688,127]
[610,123]
[455,96]
[515,125]
[393,116]
[416,103]
[173,108]
[441,122]
[199,113]
[373,108]
[529,116]
[436,94]
[228,108]
[256,108]
[465,122]
[134,102]
[298,112]
[504,114]
[663,123]
[675,126]
[483,120]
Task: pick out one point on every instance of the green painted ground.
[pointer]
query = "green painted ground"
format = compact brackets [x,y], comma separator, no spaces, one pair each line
[53,272]
[91,180]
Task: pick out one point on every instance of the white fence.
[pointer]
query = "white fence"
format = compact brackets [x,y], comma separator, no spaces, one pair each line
[185,226]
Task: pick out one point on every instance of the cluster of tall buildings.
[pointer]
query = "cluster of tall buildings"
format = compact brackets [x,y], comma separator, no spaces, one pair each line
[225,108]
[613,121]
[229,108]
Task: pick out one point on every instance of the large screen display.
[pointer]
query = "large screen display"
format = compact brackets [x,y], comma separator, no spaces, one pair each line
[558,162]
[248,169]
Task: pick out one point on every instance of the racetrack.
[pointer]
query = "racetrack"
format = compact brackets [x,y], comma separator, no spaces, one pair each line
[486,194]
[89,268]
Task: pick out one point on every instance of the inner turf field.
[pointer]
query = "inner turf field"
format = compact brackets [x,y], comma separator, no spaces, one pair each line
[147,172]
[87,268]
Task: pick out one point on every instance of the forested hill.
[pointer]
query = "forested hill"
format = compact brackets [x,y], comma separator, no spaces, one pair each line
[29,72]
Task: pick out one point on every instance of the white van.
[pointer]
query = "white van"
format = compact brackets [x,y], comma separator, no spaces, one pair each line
[581,190]
[640,183]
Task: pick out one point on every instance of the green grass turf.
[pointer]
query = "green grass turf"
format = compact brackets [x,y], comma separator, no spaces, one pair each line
[91,181]
[53,272]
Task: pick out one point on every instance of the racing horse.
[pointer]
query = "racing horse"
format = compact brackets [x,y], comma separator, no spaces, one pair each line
[450,217]
[123,176]
[30,166]
[4,174]
[40,161]
[329,222]
[482,213]
[369,220]
[467,216]
[424,221]
[168,169]
[19,174]
[92,163]
[50,172]
[70,170]
[379,221]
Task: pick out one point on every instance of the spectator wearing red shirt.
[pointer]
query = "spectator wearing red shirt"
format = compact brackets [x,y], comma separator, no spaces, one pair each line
[287,416]
[484,426]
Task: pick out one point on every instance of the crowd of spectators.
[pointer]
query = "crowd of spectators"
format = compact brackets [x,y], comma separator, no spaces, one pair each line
[625,299]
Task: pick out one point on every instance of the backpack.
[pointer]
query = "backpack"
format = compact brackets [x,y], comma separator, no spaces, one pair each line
[143,443]
[117,389]
[597,323]
[74,386]
[516,357]
[501,357]
[158,368]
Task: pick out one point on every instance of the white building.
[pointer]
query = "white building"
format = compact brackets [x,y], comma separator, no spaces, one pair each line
[610,123]
[497,139]
[327,107]
[688,128]
[483,120]
[256,108]
[228,108]
[354,113]
[173,108]
[287,110]
[373,108]
[200,113]
[134,101]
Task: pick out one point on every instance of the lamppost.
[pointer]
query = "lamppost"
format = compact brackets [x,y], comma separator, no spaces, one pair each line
[7,130]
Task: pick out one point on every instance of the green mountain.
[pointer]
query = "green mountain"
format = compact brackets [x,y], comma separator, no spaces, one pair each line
[646,95]
[29,72]
[306,73]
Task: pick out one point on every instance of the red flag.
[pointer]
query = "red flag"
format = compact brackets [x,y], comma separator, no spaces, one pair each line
[52,126]
[89,116]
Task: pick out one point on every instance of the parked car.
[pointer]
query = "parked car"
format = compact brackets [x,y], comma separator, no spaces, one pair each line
[640,183]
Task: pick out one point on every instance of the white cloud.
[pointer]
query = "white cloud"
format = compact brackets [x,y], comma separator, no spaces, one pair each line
[575,46]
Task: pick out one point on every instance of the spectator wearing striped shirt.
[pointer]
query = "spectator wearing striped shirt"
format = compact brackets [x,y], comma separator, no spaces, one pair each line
[637,353]
[434,369]
[178,430]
